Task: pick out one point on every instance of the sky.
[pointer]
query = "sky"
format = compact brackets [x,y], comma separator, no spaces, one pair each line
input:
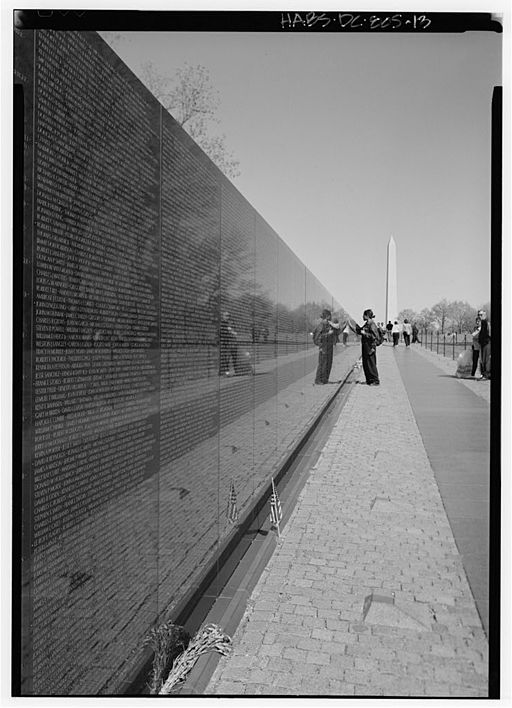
[347,139]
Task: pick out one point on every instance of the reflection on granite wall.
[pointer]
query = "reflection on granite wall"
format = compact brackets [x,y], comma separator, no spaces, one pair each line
[167,343]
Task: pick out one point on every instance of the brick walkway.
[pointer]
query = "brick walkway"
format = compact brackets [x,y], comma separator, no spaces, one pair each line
[366,593]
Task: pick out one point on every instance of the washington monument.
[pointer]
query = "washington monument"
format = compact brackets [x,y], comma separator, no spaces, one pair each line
[391,287]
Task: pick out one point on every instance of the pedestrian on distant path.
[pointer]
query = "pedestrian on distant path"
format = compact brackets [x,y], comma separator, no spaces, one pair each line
[397,328]
[415,333]
[475,346]
[484,339]
[369,338]
[407,332]
[325,337]
[389,328]
[346,332]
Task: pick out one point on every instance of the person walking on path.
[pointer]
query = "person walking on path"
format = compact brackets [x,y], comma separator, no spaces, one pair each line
[396,329]
[369,337]
[346,332]
[389,329]
[415,334]
[484,339]
[475,347]
[407,332]
[325,337]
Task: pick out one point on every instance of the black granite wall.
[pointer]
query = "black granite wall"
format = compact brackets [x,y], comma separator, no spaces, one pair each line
[135,419]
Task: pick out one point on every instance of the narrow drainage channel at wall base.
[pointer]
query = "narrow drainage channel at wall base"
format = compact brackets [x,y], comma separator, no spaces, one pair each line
[223,603]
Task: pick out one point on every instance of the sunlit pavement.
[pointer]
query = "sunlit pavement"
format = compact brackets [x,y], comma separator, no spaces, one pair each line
[366,592]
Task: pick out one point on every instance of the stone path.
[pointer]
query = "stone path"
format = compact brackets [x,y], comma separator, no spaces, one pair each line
[366,593]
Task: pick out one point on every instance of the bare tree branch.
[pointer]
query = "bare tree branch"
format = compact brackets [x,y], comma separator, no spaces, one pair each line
[193,101]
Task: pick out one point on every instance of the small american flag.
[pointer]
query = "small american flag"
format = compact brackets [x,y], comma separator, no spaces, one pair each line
[276,513]
[232,509]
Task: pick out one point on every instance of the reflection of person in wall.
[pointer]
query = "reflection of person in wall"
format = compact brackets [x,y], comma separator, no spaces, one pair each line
[369,336]
[228,345]
[325,337]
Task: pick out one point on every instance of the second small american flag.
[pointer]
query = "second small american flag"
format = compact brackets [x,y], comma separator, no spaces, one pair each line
[276,513]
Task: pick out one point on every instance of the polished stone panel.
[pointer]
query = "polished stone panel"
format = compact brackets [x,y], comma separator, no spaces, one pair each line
[167,351]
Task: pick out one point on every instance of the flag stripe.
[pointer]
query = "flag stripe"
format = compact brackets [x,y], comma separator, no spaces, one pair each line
[276,513]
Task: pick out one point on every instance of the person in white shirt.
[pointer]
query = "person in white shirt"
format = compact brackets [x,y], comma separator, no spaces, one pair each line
[346,332]
[396,331]
[407,332]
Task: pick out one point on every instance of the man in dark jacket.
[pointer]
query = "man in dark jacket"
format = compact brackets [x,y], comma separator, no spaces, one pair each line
[369,338]
[484,340]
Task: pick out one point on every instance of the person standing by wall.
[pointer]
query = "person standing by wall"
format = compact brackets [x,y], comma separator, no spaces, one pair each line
[369,338]
[475,347]
[325,337]
[484,339]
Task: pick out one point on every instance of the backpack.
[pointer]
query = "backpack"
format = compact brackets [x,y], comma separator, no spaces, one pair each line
[379,338]
[317,335]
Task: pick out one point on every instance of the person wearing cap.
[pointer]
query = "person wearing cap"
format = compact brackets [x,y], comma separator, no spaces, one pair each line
[484,339]
[369,337]
[325,337]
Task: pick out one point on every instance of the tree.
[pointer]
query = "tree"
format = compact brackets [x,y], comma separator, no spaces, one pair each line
[462,316]
[408,315]
[425,318]
[441,313]
[193,102]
